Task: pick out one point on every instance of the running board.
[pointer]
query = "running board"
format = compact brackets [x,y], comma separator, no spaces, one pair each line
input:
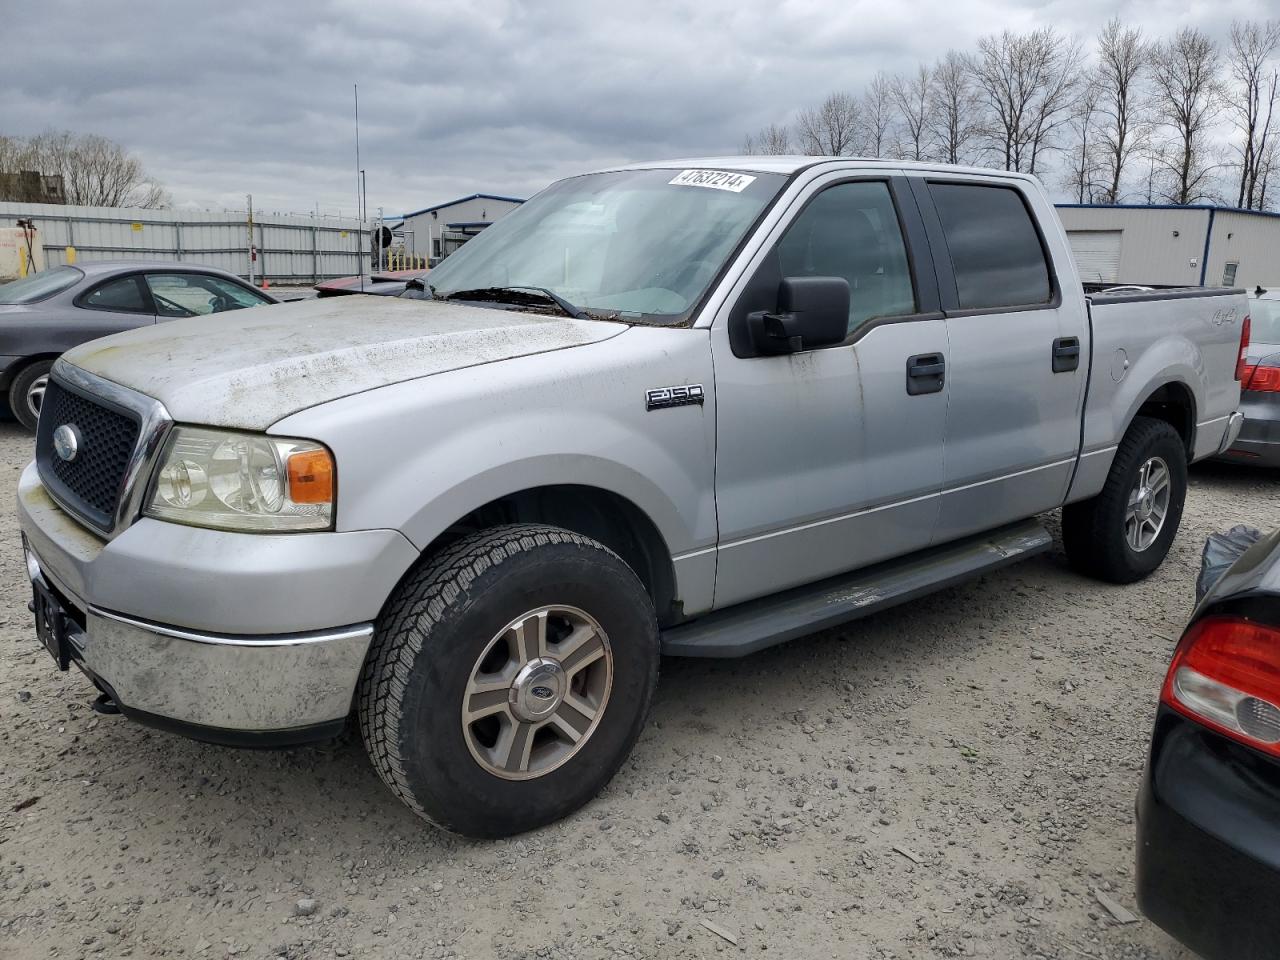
[756,624]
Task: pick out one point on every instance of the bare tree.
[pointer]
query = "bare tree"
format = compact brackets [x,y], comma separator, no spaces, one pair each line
[1028,84]
[877,111]
[1122,64]
[773,140]
[832,128]
[1188,94]
[912,95]
[1255,85]
[953,113]
[1084,177]
[95,171]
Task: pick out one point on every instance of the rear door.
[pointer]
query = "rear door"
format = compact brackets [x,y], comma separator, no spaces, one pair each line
[1018,351]
[831,459]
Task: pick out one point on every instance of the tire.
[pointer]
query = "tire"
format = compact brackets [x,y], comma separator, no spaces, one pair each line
[26,390]
[1098,534]
[470,612]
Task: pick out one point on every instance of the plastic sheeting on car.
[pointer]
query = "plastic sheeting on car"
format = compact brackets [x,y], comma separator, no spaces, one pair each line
[1221,550]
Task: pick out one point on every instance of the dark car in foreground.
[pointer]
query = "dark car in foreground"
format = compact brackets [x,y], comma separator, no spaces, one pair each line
[1208,858]
[1259,440]
[48,313]
[389,283]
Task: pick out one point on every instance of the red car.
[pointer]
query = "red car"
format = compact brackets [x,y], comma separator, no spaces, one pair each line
[390,283]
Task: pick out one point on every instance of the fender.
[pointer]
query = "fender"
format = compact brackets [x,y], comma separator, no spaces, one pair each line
[420,455]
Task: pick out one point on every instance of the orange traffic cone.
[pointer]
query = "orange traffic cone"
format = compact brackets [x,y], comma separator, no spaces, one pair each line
[266,284]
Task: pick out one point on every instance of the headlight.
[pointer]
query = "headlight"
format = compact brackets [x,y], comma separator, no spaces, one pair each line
[243,481]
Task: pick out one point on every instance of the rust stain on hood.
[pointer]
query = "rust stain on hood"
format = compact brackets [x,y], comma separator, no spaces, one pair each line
[250,368]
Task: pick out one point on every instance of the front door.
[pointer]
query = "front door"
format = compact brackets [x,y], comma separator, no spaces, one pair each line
[831,459]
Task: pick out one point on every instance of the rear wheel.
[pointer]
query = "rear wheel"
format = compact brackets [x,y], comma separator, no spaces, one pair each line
[26,392]
[1124,533]
[509,678]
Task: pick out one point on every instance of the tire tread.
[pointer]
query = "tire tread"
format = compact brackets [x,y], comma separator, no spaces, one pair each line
[403,629]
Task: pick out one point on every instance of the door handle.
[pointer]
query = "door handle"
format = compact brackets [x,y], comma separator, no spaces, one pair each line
[926,373]
[1066,354]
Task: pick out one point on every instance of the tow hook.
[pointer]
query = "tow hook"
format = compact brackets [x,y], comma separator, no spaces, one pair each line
[105,705]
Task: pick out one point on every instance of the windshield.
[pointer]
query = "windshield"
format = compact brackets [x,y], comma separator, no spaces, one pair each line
[636,244]
[39,286]
[1264,320]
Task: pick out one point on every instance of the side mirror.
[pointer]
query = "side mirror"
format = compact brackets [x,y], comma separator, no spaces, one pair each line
[812,312]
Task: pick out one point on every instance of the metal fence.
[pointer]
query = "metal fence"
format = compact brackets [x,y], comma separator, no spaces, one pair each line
[290,249]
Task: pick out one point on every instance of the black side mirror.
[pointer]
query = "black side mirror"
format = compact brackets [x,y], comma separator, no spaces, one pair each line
[812,312]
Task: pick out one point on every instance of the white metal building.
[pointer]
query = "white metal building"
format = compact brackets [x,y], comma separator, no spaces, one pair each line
[1198,245]
[438,231]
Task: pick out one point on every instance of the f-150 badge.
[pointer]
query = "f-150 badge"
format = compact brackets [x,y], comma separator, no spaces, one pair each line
[662,397]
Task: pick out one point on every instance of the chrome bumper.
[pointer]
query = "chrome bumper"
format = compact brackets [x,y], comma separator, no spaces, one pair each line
[256,684]
[219,683]
[213,633]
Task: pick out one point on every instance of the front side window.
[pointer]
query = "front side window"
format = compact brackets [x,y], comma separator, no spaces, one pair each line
[124,295]
[996,252]
[851,230]
[635,244]
[194,294]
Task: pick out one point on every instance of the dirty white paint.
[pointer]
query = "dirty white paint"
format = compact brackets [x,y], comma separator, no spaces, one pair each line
[250,368]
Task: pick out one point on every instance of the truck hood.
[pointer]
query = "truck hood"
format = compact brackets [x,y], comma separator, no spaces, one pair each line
[253,367]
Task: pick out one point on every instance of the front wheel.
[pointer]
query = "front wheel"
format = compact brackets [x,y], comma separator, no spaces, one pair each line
[26,392]
[1124,533]
[509,678]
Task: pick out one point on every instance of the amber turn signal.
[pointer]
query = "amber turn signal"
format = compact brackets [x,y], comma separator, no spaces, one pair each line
[311,477]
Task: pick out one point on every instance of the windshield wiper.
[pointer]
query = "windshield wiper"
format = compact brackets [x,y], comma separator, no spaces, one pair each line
[530,293]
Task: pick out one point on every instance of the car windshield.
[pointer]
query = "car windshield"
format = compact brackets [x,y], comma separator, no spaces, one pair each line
[1264,322]
[631,244]
[39,286]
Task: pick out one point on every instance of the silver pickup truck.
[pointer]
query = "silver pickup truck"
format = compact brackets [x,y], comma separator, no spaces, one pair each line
[692,408]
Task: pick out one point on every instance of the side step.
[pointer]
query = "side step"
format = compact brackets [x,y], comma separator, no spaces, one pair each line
[756,624]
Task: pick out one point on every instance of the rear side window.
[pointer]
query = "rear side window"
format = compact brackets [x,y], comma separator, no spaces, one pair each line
[124,294]
[996,252]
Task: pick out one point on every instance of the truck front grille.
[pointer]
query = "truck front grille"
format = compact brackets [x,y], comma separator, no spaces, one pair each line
[92,483]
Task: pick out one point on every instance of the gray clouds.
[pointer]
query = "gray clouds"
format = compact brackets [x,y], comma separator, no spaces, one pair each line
[225,99]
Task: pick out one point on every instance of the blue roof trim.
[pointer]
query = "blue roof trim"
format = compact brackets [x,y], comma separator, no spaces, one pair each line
[1165,206]
[474,196]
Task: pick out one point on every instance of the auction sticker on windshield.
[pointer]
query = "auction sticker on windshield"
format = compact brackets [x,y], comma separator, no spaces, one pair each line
[715,179]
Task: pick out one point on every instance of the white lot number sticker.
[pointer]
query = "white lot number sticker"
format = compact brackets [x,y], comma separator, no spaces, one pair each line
[715,179]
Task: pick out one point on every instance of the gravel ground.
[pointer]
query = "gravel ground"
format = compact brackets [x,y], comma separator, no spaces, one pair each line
[951,778]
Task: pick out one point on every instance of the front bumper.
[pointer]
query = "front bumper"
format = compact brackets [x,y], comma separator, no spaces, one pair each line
[1208,857]
[224,636]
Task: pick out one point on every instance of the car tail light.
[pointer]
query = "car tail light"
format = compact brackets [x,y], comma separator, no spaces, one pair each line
[1225,674]
[1245,328]
[1261,378]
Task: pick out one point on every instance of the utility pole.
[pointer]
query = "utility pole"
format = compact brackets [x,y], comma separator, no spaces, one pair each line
[360,225]
[253,254]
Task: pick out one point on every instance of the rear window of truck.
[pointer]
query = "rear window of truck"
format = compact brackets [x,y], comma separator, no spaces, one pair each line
[995,249]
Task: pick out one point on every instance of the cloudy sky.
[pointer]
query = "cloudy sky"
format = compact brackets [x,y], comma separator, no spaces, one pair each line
[231,97]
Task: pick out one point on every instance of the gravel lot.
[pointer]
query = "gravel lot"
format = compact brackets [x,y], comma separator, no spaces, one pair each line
[952,778]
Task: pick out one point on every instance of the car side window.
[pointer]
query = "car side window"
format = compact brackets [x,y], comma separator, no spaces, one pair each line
[194,294]
[123,294]
[996,253]
[851,230]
